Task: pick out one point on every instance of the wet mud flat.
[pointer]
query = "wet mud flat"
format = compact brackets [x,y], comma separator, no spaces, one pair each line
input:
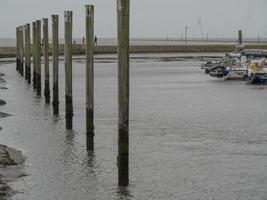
[191,136]
[9,157]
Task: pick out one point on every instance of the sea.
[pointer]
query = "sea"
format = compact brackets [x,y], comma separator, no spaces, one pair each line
[191,136]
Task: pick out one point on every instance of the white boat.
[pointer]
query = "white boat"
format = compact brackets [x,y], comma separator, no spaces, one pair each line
[237,69]
[211,65]
[231,68]
[237,65]
[257,71]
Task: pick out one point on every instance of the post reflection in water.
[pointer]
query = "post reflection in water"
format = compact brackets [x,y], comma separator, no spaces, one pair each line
[69,136]
[123,193]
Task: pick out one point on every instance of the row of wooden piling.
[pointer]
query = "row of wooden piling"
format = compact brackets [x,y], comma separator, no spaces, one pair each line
[26,50]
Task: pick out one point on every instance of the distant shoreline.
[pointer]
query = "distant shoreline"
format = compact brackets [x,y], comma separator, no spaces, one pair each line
[79,49]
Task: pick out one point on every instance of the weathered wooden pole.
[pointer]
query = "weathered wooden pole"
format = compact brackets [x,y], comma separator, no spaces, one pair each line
[123,11]
[21,51]
[28,52]
[55,63]
[68,68]
[46,60]
[17,49]
[38,57]
[240,37]
[89,18]
[34,54]
[25,51]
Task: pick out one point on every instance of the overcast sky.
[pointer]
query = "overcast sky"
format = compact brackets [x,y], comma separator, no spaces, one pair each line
[149,18]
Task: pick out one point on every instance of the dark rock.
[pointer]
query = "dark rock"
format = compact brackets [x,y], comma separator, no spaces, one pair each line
[5,191]
[2,102]
[15,155]
[2,80]
[3,88]
[9,156]
[2,74]
[4,114]
[4,157]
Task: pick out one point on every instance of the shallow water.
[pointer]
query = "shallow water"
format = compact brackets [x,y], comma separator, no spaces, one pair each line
[191,136]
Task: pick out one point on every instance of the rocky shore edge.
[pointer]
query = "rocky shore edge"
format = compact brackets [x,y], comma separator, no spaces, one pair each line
[8,157]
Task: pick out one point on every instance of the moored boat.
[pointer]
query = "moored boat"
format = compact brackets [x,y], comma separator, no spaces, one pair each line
[231,68]
[257,71]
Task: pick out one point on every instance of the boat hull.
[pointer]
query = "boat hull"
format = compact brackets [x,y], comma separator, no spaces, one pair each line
[257,78]
[236,74]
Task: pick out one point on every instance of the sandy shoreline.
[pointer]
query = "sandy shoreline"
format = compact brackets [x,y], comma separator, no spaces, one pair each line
[79,49]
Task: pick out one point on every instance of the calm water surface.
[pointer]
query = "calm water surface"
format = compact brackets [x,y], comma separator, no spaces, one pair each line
[191,136]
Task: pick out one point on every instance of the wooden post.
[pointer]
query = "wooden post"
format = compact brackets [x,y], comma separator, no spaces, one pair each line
[68,68]
[55,63]
[46,60]
[34,54]
[123,11]
[38,57]
[28,52]
[21,51]
[89,18]
[17,49]
[25,51]
[240,37]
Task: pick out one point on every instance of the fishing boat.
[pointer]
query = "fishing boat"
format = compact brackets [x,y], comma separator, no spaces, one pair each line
[230,68]
[240,65]
[212,65]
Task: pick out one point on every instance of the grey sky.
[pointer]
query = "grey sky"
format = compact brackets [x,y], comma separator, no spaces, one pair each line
[149,18]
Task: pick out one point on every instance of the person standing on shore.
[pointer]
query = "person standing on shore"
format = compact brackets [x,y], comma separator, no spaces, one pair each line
[95,41]
[83,40]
